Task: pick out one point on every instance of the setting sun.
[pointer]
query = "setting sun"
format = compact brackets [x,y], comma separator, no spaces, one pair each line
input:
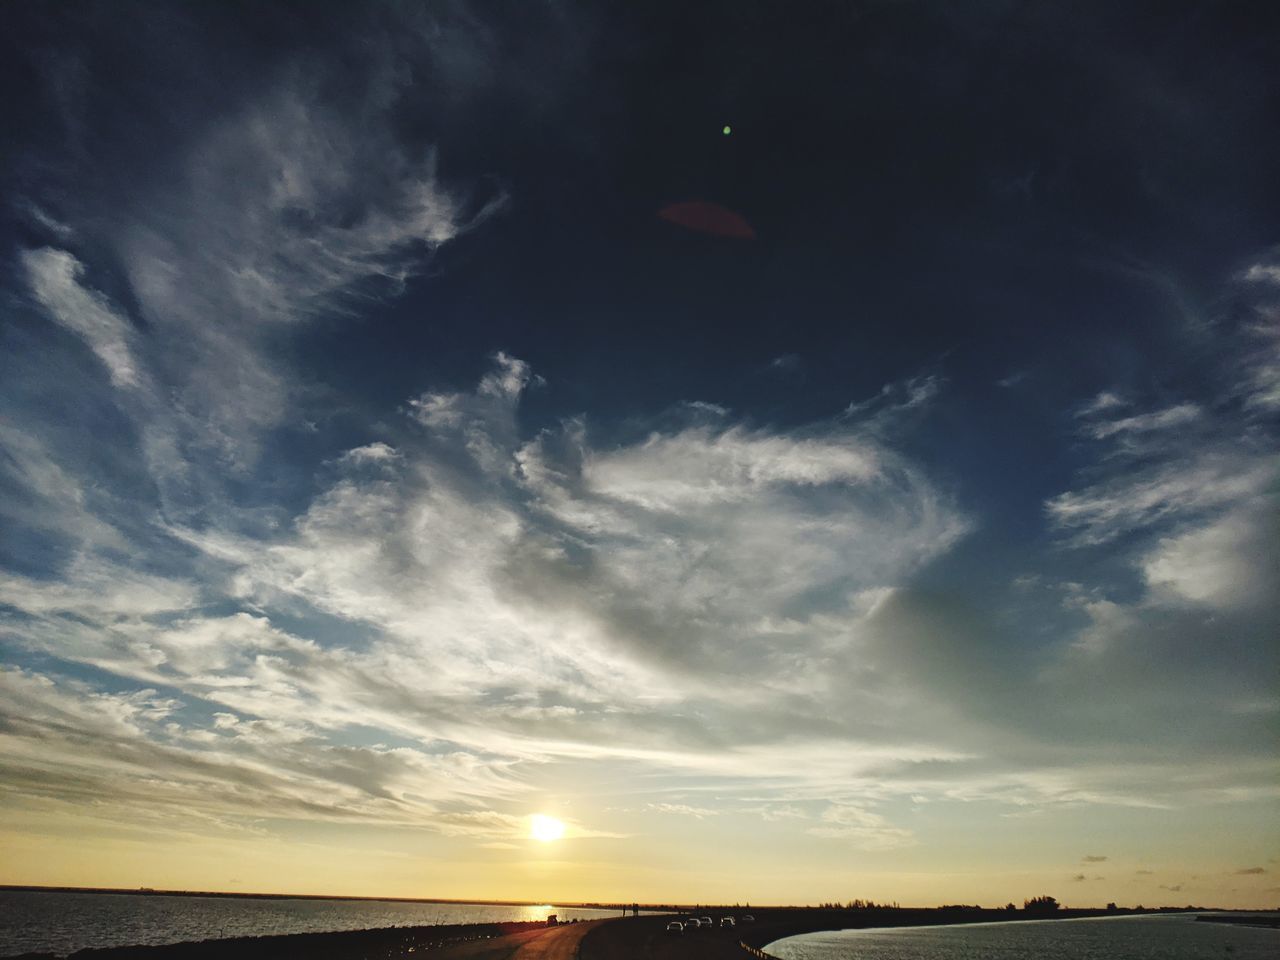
[544,828]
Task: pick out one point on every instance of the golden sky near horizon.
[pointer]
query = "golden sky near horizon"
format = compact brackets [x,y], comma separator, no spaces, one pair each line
[673,855]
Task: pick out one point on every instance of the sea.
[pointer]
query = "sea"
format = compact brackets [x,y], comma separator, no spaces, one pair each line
[1152,937]
[61,923]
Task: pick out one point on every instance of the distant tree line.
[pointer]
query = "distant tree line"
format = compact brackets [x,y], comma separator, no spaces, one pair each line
[857,905]
[1042,905]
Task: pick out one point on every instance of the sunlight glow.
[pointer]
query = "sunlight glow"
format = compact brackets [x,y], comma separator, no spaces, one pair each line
[544,828]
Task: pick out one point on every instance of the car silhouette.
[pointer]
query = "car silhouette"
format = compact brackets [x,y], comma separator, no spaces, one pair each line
[692,922]
[726,921]
[675,926]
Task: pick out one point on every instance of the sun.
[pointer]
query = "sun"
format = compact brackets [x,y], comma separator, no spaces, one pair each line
[544,828]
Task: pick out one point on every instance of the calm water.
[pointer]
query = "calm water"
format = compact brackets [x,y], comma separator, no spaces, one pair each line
[64,922]
[1113,938]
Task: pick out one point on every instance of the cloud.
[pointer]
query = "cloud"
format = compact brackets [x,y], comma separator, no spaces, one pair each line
[290,205]
[48,222]
[1174,416]
[1250,871]
[1106,400]
[712,600]
[54,276]
[45,494]
[1263,273]
[1182,464]
[129,757]
[283,216]
[776,812]
[1178,499]
[863,829]
[503,602]
[97,589]
[372,453]
[1139,497]
[1227,561]
[1090,858]
[519,603]
[897,400]
[1259,386]
[682,809]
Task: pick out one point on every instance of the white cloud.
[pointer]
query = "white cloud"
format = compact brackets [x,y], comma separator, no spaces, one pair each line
[1260,384]
[1106,400]
[896,400]
[291,206]
[701,467]
[1185,484]
[129,758]
[1263,273]
[49,222]
[55,499]
[529,601]
[1175,416]
[714,603]
[1228,561]
[54,276]
[683,809]
[863,828]
[94,588]
[378,453]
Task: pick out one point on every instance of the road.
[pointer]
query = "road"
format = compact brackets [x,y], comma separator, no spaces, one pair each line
[549,943]
[555,943]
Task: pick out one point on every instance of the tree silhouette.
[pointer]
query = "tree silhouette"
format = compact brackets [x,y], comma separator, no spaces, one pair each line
[1044,904]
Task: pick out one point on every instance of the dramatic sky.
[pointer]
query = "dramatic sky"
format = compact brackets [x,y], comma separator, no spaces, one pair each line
[380,467]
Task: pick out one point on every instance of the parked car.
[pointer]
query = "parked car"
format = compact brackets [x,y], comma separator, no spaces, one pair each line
[693,922]
[726,921]
[708,922]
[748,918]
[675,926]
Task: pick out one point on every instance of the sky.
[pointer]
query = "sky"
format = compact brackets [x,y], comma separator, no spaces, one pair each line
[383,462]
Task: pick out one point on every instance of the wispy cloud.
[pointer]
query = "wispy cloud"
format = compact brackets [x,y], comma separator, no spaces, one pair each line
[862,828]
[519,600]
[682,809]
[1263,273]
[1182,497]
[1175,416]
[54,276]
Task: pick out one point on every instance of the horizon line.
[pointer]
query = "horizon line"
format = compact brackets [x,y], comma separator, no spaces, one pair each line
[586,905]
